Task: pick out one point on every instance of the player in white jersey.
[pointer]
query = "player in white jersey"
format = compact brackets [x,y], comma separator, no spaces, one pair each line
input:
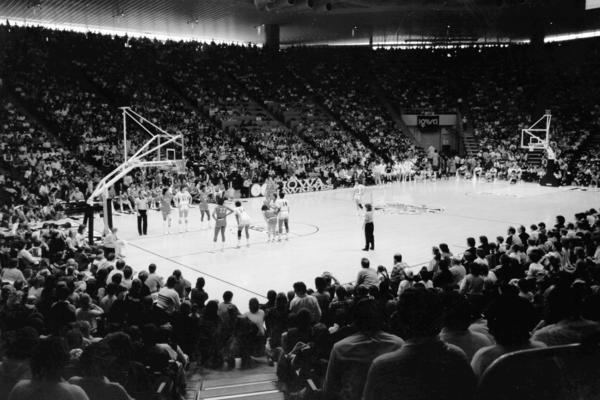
[183,200]
[358,191]
[243,221]
[283,207]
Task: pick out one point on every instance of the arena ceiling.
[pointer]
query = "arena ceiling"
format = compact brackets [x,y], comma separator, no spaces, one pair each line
[348,21]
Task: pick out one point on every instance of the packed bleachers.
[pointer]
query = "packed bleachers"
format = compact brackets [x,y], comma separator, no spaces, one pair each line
[74,311]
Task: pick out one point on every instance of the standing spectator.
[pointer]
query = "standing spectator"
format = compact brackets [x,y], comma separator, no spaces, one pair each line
[425,367]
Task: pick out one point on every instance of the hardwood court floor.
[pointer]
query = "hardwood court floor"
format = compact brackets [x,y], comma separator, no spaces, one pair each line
[326,232]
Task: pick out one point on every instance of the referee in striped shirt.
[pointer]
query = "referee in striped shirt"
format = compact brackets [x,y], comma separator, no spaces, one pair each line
[141,208]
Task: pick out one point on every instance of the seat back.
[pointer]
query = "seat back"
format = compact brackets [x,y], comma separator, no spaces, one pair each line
[569,372]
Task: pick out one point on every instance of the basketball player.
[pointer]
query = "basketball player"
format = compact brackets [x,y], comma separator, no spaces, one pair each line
[243,221]
[165,209]
[203,198]
[220,214]
[183,200]
[358,190]
[283,208]
[270,215]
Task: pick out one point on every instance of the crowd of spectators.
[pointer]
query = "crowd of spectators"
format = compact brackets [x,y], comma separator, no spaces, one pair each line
[77,319]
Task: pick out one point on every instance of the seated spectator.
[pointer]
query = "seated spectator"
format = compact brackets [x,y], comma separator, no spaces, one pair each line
[93,363]
[425,367]
[351,357]
[564,323]
[457,318]
[48,359]
[15,364]
[302,300]
[510,319]
[366,276]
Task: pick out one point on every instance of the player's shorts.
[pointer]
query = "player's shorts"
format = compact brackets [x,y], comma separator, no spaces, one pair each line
[244,222]
[165,212]
[284,216]
[184,210]
[220,223]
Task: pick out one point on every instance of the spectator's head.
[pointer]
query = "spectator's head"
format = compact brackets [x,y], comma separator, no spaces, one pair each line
[85,301]
[444,248]
[253,305]
[397,258]
[281,302]
[120,265]
[367,317]
[152,268]
[563,302]
[142,276]
[471,242]
[48,359]
[533,228]
[200,283]
[510,319]
[368,207]
[227,296]
[364,262]
[320,284]
[341,293]
[20,346]
[271,296]
[211,309]
[457,312]
[171,282]
[511,230]
[420,312]
[300,288]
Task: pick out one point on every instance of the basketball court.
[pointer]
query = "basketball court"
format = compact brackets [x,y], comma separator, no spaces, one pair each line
[326,232]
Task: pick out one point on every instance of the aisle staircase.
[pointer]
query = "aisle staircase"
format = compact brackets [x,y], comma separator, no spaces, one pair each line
[257,383]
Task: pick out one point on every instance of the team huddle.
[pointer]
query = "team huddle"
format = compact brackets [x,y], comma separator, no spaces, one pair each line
[275,210]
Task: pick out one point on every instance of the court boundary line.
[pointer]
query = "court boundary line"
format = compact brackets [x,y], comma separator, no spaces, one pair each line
[194,269]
